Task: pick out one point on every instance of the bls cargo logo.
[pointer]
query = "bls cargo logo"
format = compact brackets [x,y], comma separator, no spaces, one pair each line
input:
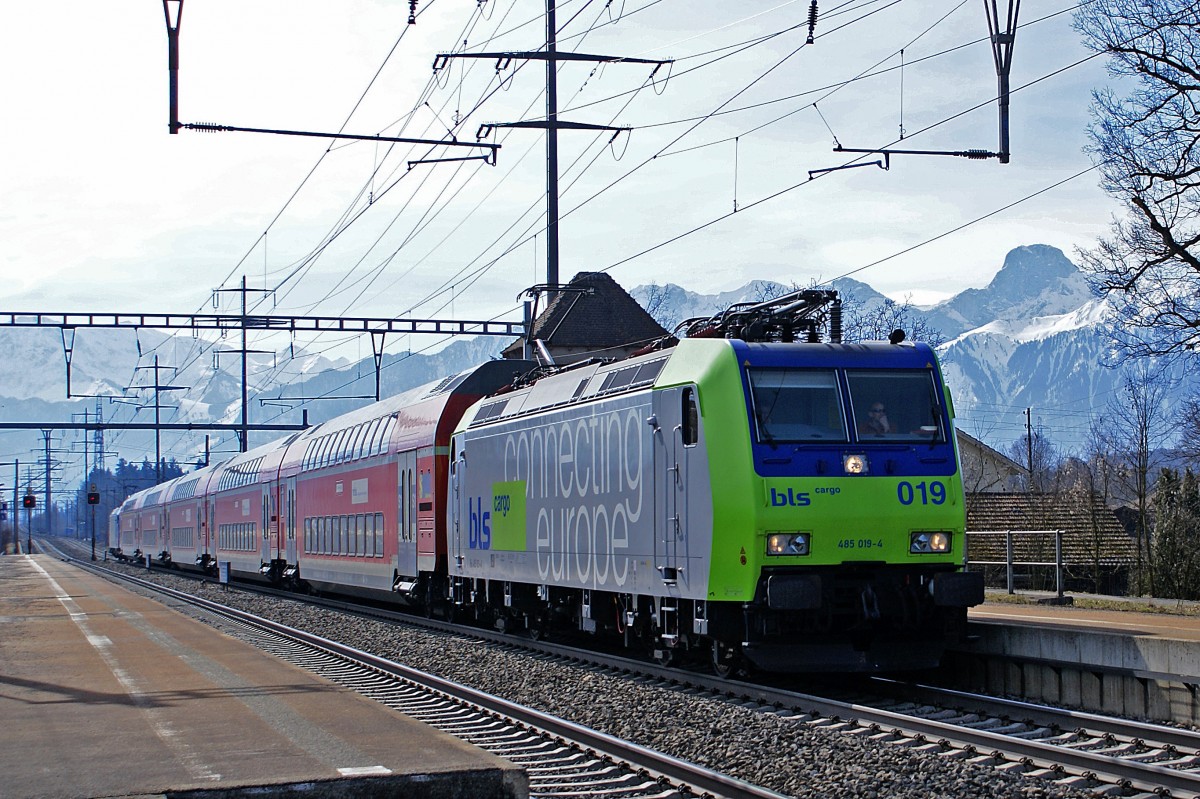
[499,524]
[790,498]
[479,527]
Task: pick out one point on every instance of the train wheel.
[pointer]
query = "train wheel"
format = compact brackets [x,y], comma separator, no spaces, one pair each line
[726,660]
[537,628]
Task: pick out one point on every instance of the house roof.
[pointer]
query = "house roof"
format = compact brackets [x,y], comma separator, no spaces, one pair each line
[593,312]
[998,457]
[1091,531]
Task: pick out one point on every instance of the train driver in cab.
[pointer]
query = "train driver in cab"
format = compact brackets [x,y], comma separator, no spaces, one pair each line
[876,423]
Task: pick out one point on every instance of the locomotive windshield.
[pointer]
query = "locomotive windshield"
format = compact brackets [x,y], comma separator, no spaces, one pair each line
[809,405]
[797,405]
[896,405]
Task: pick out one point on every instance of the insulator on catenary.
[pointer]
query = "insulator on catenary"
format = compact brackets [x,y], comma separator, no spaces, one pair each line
[978,155]
[812,21]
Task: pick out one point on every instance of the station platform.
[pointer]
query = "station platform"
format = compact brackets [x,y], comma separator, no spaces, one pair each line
[1126,660]
[1148,644]
[106,693]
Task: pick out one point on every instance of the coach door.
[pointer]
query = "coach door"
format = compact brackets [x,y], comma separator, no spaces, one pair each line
[289,518]
[213,533]
[406,514]
[268,514]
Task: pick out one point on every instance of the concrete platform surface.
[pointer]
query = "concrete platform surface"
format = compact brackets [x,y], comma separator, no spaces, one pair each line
[106,693]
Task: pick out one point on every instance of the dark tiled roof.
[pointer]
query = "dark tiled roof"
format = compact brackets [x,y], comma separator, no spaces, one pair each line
[594,313]
[1091,531]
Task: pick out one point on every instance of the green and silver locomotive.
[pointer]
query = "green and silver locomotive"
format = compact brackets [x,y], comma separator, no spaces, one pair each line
[747,493]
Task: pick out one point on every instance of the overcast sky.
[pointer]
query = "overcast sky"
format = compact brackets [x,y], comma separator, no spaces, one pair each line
[102,210]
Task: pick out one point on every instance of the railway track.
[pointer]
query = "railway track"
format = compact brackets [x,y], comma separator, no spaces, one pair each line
[1067,749]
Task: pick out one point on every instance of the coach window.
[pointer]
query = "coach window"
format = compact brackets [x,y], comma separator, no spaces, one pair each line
[339,446]
[356,441]
[349,442]
[361,442]
[691,418]
[366,445]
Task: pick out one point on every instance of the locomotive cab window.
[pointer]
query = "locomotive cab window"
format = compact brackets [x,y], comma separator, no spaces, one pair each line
[901,405]
[793,405]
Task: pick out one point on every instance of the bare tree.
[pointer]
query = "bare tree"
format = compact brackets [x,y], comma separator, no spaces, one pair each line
[1084,484]
[1137,424]
[1045,458]
[876,321]
[1146,145]
[657,303]
[1188,424]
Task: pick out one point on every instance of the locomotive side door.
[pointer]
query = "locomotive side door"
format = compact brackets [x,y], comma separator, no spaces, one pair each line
[670,481]
[458,506]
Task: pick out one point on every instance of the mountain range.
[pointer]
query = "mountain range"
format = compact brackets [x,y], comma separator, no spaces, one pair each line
[1033,337]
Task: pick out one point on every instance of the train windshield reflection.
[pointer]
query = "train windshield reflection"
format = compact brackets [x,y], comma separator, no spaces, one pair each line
[797,405]
[895,405]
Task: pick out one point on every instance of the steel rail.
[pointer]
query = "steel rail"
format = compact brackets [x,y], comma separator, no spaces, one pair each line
[1142,776]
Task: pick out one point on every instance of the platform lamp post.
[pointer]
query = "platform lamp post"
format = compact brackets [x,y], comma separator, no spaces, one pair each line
[30,502]
[93,499]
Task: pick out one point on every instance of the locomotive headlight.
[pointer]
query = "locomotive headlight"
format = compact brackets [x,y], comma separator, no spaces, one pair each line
[928,542]
[788,543]
[855,464]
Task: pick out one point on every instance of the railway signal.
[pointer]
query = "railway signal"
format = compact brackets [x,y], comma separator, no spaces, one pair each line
[29,501]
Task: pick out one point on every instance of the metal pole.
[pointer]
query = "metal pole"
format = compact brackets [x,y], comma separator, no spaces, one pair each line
[93,507]
[245,355]
[15,506]
[551,151]
[173,59]
[1009,558]
[1058,561]
[49,511]
[157,428]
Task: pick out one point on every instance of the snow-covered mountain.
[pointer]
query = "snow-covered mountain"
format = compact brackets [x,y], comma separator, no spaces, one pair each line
[1036,281]
[112,375]
[1032,338]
